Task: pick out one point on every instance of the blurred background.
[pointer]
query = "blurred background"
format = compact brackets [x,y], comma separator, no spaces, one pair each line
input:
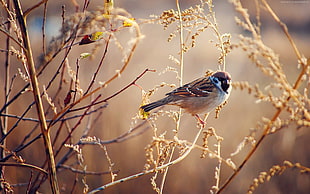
[237,118]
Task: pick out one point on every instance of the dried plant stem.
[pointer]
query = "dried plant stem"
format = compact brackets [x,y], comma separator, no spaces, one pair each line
[276,170]
[265,133]
[4,122]
[285,30]
[278,112]
[218,168]
[178,123]
[85,172]
[7,73]
[284,27]
[181,43]
[37,97]
[177,160]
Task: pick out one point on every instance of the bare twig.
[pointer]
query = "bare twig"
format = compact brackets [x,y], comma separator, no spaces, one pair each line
[7,89]
[85,172]
[37,97]
[100,64]
[284,28]
[21,147]
[24,165]
[116,75]
[121,138]
[75,126]
[34,7]
[43,27]
[177,160]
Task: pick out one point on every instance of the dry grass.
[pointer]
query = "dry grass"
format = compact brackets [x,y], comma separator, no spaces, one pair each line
[75,92]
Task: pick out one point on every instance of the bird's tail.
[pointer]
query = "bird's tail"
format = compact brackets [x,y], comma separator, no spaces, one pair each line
[156,104]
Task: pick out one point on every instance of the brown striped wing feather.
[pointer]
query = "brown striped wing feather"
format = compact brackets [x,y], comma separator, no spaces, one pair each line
[201,87]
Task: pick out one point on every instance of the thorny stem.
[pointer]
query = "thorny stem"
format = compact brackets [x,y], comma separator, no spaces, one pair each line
[37,97]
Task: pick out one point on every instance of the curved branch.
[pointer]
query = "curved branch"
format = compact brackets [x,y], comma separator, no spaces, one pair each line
[24,165]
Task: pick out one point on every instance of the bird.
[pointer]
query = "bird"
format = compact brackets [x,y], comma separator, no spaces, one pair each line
[199,96]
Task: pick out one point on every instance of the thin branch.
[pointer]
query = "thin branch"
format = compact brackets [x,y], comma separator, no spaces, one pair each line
[75,126]
[7,91]
[21,147]
[43,27]
[12,38]
[49,120]
[104,100]
[127,135]
[34,7]
[284,28]
[121,138]
[116,75]
[99,66]
[177,160]
[37,97]
[29,182]
[84,172]
[16,123]
[24,165]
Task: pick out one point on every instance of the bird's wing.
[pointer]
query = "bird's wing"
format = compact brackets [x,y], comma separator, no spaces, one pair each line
[199,87]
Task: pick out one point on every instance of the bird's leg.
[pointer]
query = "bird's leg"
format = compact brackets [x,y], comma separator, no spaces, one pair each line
[201,122]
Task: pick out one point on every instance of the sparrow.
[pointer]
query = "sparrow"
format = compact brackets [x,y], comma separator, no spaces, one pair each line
[199,96]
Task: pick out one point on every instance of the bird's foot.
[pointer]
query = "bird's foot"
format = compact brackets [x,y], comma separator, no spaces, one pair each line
[201,122]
